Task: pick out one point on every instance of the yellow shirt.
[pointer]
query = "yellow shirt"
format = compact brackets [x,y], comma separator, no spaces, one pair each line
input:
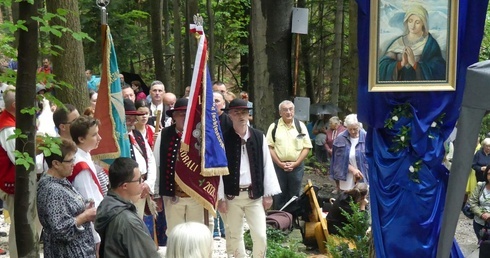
[289,143]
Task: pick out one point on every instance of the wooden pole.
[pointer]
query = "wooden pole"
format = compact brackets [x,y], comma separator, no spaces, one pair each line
[296,66]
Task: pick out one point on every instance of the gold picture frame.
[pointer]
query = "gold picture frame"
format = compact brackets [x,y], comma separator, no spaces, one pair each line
[413,45]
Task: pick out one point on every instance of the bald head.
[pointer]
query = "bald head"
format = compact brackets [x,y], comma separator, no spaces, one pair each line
[169,99]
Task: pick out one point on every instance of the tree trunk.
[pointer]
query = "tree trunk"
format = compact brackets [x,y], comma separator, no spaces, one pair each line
[156,38]
[69,66]
[211,40]
[25,179]
[190,42]
[177,43]
[166,42]
[334,95]
[305,60]
[244,58]
[353,53]
[271,54]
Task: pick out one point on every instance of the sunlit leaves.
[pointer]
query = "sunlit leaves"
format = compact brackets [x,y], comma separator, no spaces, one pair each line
[49,145]
[23,159]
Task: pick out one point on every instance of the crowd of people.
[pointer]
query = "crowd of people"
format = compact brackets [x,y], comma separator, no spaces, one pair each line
[85,210]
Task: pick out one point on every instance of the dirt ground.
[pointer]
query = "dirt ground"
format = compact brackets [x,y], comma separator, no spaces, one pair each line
[464,232]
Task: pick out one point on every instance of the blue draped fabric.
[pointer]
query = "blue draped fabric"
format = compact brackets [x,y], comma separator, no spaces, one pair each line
[406,215]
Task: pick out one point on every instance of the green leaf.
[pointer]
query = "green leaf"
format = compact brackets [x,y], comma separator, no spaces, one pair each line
[31,111]
[23,159]
[62,12]
[47,152]
[17,134]
[20,25]
[56,32]
[56,150]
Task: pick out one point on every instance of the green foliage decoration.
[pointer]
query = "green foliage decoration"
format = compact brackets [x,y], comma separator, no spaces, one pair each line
[354,231]
[278,244]
[50,144]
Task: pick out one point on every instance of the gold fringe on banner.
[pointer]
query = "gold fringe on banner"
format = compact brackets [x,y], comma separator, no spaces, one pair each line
[207,172]
[197,197]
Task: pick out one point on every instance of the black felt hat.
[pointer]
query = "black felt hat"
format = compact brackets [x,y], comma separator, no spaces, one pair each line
[130,109]
[180,104]
[237,104]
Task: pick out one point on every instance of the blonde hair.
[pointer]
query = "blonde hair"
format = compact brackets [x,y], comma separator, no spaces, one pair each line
[9,96]
[190,239]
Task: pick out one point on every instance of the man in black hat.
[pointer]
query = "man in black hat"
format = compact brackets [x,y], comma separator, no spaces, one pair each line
[247,191]
[179,206]
[140,152]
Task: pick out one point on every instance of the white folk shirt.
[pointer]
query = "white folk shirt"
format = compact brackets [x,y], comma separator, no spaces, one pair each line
[154,109]
[271,183]
[8,145]
[85,185]
[151,170]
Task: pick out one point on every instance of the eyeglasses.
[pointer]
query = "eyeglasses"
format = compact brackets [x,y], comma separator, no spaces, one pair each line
[69,161]
[135,181]
[68,123]
[291,109]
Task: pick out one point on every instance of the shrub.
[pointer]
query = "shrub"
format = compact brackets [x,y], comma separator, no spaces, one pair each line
[278,244]
[355,231]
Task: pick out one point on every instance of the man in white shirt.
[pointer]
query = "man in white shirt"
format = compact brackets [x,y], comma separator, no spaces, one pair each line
[156,102]
[247,191]
[157,90]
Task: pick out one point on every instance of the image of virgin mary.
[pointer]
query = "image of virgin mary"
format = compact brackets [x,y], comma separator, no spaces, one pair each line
[415,56]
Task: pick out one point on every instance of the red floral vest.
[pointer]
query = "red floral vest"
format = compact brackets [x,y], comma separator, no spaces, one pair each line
[7,169]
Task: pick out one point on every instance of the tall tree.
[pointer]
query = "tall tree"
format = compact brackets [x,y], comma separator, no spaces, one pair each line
[156,38]
[69,65]
[306,60]
[210,35]
[166,40]
[339,13]
[271,54]
[177,43]
[25,178]
[353,73]
[191,9]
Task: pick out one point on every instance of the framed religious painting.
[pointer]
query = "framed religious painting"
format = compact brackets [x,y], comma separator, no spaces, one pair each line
[413,45]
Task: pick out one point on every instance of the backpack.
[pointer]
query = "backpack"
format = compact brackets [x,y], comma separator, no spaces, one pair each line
[296,124]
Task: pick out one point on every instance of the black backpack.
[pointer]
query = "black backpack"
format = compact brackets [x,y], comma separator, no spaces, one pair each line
[296,124]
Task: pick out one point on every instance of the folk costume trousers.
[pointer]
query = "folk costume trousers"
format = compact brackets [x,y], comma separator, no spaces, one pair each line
[253,211]
[184,209]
